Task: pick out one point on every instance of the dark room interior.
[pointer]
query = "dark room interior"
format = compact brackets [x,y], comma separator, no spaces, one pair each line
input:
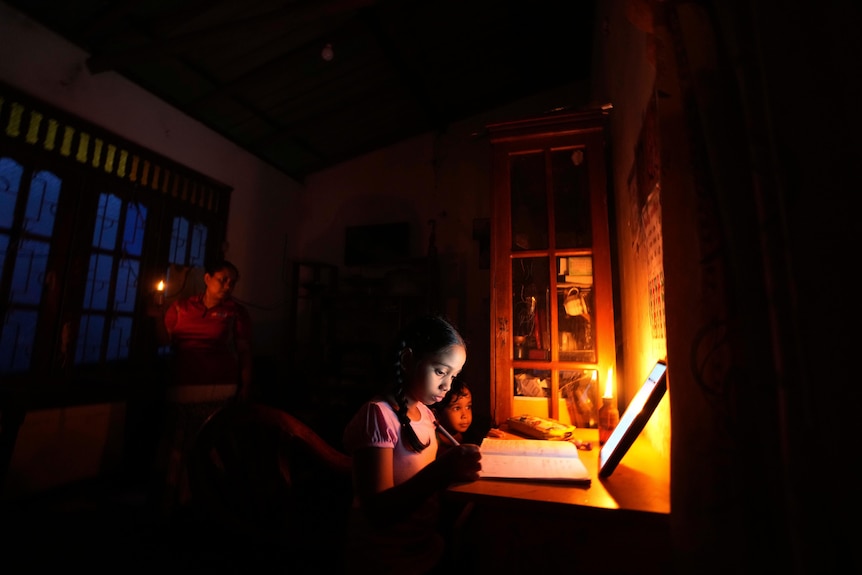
[367,161]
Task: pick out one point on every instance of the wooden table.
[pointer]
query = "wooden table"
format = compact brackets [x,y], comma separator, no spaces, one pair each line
[618,524]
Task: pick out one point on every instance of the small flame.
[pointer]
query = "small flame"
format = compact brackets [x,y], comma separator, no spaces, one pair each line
[160,286]
[609,385]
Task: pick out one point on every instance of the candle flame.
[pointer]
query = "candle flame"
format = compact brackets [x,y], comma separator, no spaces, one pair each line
[160,286]
[609,385]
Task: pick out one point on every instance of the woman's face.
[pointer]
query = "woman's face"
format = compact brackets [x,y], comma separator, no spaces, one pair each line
[220,284]
[458,415]
[432,376]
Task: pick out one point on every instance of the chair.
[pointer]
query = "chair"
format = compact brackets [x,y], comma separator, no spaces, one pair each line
[262,476]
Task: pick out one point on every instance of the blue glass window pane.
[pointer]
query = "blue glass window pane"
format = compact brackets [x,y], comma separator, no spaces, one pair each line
[133,235]
[90,339]
[127,285]
[179,233]
[29,272]
[16,342]
[10,182]
[199,245]
[118,338]
[98,282]
[42,204]
[107,218]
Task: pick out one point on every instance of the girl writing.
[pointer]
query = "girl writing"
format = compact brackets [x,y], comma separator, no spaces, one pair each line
[397,476]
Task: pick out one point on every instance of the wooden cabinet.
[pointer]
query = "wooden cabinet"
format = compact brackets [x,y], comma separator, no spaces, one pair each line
[552,338]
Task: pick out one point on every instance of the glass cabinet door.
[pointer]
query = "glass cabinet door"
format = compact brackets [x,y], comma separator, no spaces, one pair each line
[551,283]
[531,309]
[575,304]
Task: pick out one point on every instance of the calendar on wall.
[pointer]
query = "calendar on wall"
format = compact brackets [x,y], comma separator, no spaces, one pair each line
[651,217]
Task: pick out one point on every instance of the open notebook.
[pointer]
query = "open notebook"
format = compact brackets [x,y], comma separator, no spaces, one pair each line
[532,459]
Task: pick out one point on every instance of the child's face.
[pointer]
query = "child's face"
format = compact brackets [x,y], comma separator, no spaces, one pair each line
[433,376]
[458,415]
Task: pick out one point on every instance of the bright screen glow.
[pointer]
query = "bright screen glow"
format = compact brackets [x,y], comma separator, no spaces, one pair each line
[631,414]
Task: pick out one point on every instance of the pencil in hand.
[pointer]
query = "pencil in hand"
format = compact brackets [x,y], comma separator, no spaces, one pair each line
[446,433]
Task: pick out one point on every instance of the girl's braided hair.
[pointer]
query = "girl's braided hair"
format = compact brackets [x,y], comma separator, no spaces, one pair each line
[424,336]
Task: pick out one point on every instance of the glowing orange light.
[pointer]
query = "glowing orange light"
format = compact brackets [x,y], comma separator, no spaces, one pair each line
[609,385]
[159,295]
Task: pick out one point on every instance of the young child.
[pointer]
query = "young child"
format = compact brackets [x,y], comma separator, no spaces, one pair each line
[397,477]
[455,415]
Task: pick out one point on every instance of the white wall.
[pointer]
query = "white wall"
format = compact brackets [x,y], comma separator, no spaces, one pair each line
[441,176]
[263,210]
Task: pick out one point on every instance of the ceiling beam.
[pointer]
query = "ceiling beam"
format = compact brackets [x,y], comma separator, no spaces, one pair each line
[161,47]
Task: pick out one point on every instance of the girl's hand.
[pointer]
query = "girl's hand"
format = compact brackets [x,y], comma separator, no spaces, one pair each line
[463,462]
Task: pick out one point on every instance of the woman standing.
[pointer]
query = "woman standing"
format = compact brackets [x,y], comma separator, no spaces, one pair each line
[210,338]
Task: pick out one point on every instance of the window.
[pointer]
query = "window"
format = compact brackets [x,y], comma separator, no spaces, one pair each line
[27,254]
[88,224]
[110,290]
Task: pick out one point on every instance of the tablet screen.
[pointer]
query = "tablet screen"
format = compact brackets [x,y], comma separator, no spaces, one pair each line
[633,419]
